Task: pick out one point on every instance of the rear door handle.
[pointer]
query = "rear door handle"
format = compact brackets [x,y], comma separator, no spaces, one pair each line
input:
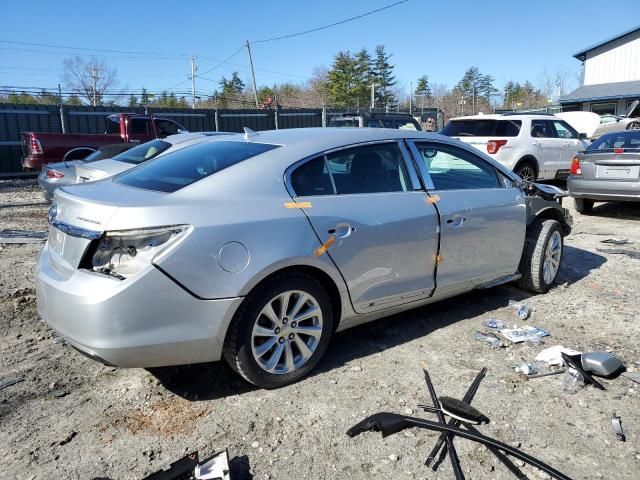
[341,230]
[566,144]
[455,222]
[535,143]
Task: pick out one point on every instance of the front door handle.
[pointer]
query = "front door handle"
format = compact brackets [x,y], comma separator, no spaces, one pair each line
[535,143]
[565,144]
[455,222]
[341,230]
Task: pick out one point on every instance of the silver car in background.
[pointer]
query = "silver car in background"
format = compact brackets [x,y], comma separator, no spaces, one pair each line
[59,174]
[616,123]
[138,154]
[256,248]
[608,170]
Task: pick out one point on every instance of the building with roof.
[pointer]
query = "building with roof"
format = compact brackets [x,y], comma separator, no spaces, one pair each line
[611,78]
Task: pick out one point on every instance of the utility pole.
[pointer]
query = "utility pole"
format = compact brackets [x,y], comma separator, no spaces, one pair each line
[62,122]
[193,81]
[373,95]
[94,76]
[253,75]
[410,98]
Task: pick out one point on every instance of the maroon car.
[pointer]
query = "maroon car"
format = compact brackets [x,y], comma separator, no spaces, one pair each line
[41,148]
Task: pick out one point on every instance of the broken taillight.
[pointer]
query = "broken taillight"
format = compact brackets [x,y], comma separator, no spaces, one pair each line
[54,174]
[494,145]
[575,167]
[34,146]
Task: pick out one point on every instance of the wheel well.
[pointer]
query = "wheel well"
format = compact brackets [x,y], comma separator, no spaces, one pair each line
[552,214]
[77,150]
[326,281]
[529,159]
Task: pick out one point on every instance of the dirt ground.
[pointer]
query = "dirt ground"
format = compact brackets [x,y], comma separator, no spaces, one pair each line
[73,418]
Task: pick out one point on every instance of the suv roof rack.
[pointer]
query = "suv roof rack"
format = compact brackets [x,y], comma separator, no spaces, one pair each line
[508,114]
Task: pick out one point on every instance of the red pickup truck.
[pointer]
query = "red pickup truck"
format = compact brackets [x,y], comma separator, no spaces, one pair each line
[40,148]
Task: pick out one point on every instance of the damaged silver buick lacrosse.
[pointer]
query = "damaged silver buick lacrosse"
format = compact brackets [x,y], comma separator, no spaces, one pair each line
[256,248]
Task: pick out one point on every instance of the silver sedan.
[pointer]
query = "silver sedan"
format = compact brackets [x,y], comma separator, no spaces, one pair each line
[257,248]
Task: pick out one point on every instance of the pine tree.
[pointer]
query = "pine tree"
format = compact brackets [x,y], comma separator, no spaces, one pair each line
[342,80]
[145,98]
[423,90]
[470,85]
[363,77]
[487,90]
[383,74]
[133,101]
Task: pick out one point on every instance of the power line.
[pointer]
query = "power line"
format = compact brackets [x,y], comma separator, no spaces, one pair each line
[177,55]
[282,37]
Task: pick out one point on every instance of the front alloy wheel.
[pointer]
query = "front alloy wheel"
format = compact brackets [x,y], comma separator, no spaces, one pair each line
[280,331]
[541,256]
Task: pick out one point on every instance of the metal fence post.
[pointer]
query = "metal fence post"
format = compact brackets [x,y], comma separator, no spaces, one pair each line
[324,116]
[215,119]
[275,116]
[63,122]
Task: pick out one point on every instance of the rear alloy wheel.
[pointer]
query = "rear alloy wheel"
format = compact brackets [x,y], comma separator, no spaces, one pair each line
[280,331]
[633,126]
[526,171]
[583,205]
[541,256]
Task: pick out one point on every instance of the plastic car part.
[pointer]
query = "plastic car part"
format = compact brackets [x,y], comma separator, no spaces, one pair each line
[215,467]
[575,362]
[602,364]
[181,469]
[462,411]
[616,423]
[188,467]
[392,423]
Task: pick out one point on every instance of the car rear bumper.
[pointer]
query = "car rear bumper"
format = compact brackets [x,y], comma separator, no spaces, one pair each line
[47,187]
[605,190]
[144,321]
[31,162]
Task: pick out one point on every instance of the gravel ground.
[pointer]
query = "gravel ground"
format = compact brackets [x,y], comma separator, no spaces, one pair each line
[74,418]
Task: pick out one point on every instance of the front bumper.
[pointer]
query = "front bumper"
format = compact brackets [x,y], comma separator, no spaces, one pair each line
[605,190]
[144,321]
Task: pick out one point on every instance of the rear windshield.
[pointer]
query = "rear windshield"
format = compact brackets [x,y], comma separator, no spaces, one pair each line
[609,141]
[143,152]
[344,122]
[482,128]
[178,169]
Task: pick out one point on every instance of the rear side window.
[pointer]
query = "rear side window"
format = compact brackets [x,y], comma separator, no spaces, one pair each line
[138,126]
[113,125]
[370,169]
[143,152]
[454,169]
[178,169]
[166,128]
[482,128]
[609,141]
[344,122]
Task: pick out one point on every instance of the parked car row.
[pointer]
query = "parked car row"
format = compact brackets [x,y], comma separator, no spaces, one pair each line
[256,248]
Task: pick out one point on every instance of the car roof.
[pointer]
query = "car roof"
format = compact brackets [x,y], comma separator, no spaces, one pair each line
[510,116]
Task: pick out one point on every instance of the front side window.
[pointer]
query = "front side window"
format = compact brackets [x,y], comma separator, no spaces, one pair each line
[564,130]
[375,168]
[113,125]
[454,169]
[166,128]
[542,129]
[143,152]
[188,165]
[606,119]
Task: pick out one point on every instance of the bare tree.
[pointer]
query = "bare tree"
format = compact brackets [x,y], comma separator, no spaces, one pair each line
[556,84]
[90,78]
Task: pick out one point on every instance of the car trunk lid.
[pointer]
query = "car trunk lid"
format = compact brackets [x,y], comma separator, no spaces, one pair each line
[99,170]
[611,165]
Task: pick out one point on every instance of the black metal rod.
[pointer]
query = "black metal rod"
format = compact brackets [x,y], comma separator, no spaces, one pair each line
[453,455]
[501,456]
[468,397]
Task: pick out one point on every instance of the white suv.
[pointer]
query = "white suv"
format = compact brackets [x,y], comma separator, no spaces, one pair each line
[535,146]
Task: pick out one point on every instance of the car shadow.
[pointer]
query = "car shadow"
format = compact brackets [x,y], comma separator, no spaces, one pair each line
[209,381]
[621,210]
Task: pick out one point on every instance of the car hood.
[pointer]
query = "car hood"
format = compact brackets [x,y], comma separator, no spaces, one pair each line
[583,122]
[101,169]
[632,108]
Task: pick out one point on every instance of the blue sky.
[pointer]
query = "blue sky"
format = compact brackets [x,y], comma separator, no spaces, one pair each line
[509,40]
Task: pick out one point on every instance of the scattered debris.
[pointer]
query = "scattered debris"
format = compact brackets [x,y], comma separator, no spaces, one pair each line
[494,323]
[620,251]
[572,381]
[602,364]
[22,236]
[553,355]
[523,310]
[530,368]
[616,423]
[391,423]
[68,438]
[614,241]
[59,393]
[524,334]
[188,467]
[575,362]
[633,376]
[8,383]
[489,338]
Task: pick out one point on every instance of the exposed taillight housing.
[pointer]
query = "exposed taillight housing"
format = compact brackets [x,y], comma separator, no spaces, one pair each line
[54,174]
[618,150]
[575,167]
[34,146]
[494,145]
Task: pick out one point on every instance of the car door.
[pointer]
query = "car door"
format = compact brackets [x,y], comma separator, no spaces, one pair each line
[368,200]
[547,146]
[571,143]
[482,216]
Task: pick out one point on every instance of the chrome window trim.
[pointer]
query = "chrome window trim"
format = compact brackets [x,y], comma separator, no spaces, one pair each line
[74,231]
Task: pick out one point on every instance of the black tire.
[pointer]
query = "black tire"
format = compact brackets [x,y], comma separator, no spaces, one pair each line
[583,205]
[526,169]
[531,268]
[237,349]
[633,126]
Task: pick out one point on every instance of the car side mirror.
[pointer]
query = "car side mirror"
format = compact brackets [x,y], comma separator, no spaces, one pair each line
[582,136]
